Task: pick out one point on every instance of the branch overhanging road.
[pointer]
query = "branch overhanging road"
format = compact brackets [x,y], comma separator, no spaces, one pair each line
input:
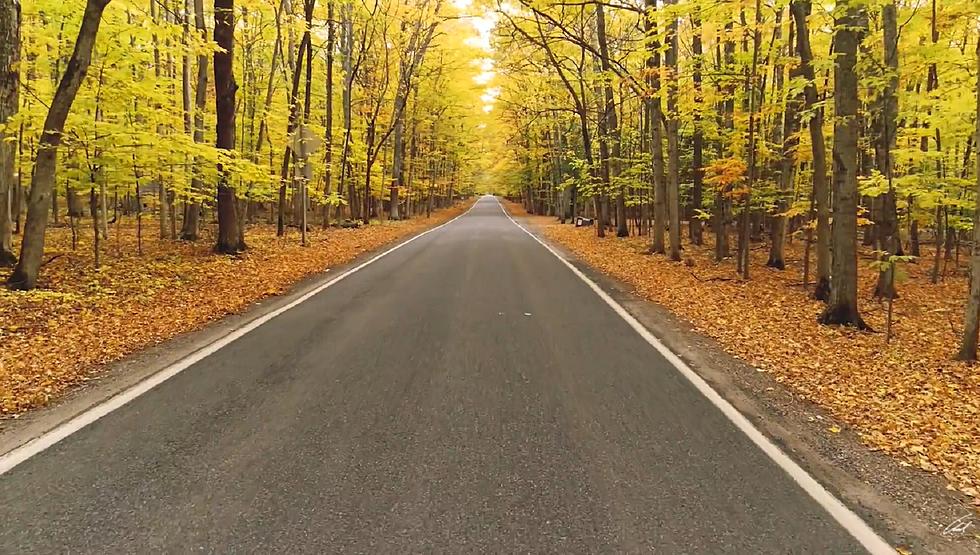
[465,393]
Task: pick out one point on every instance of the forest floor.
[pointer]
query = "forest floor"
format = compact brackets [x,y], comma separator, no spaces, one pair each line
[57,336]
[906,397]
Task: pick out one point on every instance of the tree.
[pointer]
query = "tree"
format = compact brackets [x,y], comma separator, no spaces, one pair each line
[45,165]
[9,103]
[328,123]
[229,238]
[889,241]
[190,228]
[971,328]
[787,163]
[697,141]
[673,139]
[821,194]
[850,24]
[609,144]
[654,108]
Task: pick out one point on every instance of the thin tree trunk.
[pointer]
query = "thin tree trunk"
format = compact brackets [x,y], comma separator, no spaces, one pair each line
[787,162]
[162,196]
[655,117]
[821,194]
[889,240]
[45,165]
[191,228]
[328,123]
[294,114]
[697,190]
[609,144]
[9,103]
[673,154]
[971,325]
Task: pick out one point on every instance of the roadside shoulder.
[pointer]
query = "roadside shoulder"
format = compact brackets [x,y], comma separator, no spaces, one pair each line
[914,508]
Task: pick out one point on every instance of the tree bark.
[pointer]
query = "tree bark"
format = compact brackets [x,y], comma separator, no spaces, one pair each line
[821,194]
[610,136]
[843,308]
[787,166]
[162,194]
[721,208]
[46,163]
[191,227]
[229,238]
[697,190]
[655,118]
[971,327]
[673,154]
[328,121]
[889,242]
[9,103]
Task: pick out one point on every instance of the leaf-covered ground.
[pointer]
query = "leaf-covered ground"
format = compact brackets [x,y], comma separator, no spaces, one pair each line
[907,398]
[59,335]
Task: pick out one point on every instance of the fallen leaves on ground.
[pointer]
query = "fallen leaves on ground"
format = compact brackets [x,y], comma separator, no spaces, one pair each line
[58,335]
[907,398]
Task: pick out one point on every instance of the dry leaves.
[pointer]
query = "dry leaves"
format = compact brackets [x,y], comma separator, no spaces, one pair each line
[57,336]
[908,398]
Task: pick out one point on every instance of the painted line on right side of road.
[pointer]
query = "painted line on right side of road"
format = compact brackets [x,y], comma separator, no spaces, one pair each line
[848,519]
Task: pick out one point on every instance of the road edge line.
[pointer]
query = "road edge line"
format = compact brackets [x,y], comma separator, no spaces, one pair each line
[23,452]
[841,513]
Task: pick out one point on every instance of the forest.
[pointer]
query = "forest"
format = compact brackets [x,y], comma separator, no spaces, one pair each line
[740,123]
[173,114]
[164,163]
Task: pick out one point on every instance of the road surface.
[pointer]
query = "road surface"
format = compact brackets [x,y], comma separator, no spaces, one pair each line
[465,393]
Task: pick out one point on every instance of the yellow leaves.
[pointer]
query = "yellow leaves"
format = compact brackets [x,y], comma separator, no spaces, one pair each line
[56,337]
[725,173]
[835,429]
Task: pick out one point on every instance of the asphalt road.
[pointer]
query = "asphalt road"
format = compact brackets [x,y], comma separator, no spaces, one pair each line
[466,393]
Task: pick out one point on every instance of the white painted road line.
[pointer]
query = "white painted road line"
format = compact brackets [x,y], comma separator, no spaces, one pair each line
[844,516]
[18,455]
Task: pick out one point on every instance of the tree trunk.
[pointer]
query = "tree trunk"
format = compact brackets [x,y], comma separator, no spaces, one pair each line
[787,162]
[45,165]
[328,122]
[655,117]
[821,194]
[697,146]
[398,145]
[162,194]
[888,237]
[229,238]
[191,228]
[722,203]
[9,103]
[294,114]
[347,53]
[971,326]
[673,154]
[843,308]
[610,134]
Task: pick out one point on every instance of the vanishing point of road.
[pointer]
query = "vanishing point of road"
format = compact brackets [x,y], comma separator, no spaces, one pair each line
[467,392]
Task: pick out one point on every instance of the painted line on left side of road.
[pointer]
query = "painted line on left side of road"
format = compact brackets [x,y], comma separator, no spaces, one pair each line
[11,459]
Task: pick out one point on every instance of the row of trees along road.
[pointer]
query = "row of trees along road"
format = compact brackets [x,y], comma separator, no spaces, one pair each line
[846,122]
[235,110]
